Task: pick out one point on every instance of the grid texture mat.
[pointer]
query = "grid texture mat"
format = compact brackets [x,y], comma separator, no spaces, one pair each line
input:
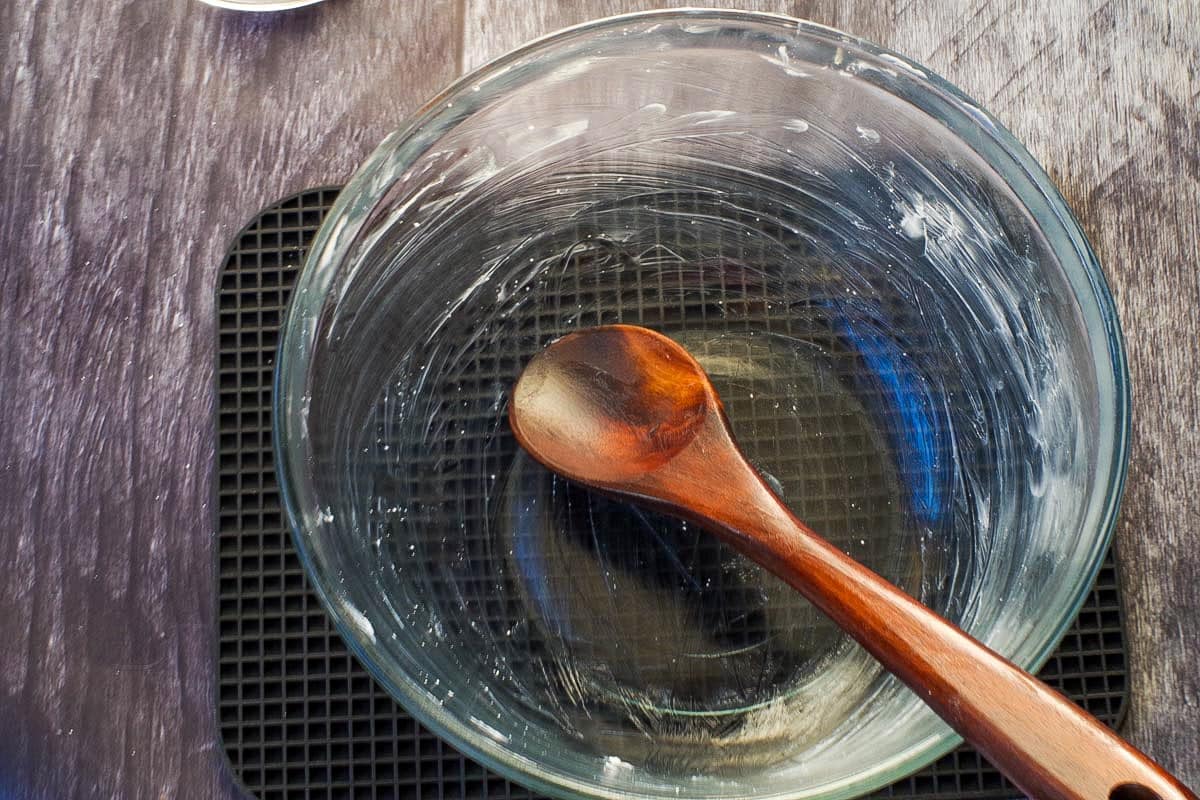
[300,718]
[704,629]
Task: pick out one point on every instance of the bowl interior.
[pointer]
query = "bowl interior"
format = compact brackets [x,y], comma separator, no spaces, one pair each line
[913,343]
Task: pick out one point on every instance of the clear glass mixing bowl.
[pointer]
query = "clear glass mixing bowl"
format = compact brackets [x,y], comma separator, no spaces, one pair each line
[914,342]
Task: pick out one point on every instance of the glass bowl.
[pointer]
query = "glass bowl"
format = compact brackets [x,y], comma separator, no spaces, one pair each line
[913,340]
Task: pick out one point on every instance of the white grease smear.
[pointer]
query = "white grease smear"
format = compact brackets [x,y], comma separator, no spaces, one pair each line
[912,220]
[615,767]
[358,619]
[867,134]
[859,67]
[489,730]
[706,117]
[783,61]
[902,64]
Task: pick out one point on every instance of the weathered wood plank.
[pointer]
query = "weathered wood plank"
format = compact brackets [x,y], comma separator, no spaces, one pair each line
[136,138]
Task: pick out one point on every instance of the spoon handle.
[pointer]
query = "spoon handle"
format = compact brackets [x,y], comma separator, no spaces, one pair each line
[1045,744]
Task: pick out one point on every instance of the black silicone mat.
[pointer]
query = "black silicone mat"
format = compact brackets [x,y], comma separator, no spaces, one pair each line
[299,717]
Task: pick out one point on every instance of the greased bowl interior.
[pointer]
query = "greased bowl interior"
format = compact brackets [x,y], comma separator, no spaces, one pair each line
[913,340]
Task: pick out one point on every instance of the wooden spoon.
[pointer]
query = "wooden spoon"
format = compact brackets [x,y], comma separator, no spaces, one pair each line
[629,412]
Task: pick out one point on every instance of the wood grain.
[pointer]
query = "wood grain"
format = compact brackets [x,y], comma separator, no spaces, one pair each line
[136,136]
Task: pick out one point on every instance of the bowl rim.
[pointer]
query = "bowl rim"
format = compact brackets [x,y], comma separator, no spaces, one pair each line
[352,211]
[259,6]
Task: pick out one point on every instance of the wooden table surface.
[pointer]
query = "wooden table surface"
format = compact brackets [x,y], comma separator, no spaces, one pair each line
[137,136]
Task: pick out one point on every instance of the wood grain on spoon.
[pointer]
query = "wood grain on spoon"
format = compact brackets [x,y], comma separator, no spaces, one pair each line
[629,412]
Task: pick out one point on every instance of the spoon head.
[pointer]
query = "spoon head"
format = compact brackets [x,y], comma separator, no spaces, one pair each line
[606,405]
